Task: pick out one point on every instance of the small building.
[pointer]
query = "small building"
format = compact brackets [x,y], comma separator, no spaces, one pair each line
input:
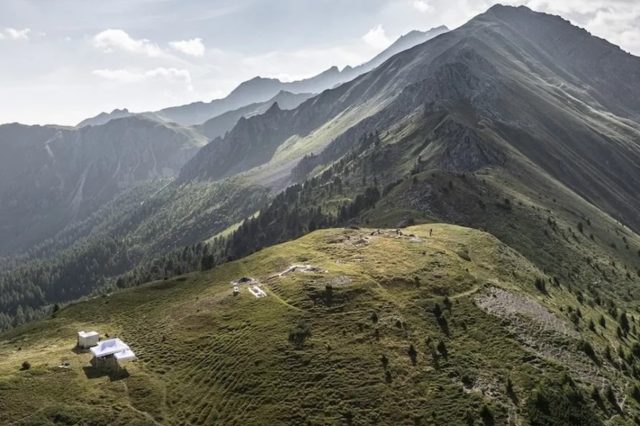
[87,339]
[111,354]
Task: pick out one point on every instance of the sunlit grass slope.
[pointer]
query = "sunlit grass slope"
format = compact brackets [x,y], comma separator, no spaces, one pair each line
[388,327]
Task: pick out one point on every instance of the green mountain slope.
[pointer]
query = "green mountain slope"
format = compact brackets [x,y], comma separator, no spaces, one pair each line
[166,229]
[435,324]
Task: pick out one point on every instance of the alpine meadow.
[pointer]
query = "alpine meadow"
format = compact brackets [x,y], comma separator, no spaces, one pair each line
[443,229]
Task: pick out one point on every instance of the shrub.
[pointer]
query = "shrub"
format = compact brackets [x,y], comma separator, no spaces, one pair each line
[555,403]
[385,361]
[467,381]
[607,353]
[611,396]
[541,285]
[26,365]
[603,322]
[635,393]
[487,415]
[624,323]
[299,334]
[328,294]
[413,354]
[442,349]
[447,303]
[437,311]
[511,392]
[586,347]
[595,395]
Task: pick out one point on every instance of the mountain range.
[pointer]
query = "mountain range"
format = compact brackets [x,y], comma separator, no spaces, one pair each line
[136,148]
[511,142]
[260,89]
[52,176]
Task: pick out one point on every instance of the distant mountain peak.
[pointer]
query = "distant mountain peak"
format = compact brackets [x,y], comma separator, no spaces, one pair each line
[261,89]
[273,108]
[414,33]
[507,12]
[499,7]
[332,70]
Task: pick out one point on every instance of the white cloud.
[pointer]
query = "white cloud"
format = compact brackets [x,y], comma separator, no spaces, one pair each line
[377,37]
[15,34]
[421,6]
[193,47]
[172,75]
[111,40]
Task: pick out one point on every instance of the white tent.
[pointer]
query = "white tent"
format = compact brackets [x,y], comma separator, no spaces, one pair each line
[87,339]
[109,350]
[109,347]
[126,355]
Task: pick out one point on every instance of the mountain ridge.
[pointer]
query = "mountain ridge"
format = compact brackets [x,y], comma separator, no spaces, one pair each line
[261,89]
[64,174]
[454,79]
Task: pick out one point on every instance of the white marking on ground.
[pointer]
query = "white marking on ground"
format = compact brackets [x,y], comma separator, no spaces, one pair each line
[257,291]
[300,268]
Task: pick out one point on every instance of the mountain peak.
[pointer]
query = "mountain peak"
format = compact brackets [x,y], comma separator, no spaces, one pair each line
[333,69]
[418,33]
[517,14]
[502,8]
[273,108]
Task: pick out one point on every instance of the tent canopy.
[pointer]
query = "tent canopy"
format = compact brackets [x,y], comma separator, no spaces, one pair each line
[109,347]
[126,355]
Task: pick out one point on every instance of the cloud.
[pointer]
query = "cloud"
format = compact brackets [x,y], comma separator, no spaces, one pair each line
[15,34]
[111,40]
[377,37]
[172,75]
[193,47]
[421,6]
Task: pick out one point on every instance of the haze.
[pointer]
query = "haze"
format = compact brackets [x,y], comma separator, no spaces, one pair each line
[71,59]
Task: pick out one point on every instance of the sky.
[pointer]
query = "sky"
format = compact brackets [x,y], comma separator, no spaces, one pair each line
[66,60]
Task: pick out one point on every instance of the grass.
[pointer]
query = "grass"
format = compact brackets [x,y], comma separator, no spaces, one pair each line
[208,357]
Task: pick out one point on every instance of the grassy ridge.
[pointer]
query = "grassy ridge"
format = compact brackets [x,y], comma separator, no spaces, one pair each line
[209,357]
